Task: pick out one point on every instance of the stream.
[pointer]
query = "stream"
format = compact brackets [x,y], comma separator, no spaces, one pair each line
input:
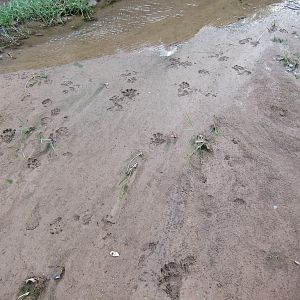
[125,26]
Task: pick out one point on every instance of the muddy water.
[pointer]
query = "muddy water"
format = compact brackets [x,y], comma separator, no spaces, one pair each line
[124,26]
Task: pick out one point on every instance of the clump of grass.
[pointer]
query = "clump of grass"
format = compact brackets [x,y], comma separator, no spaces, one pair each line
[49,12]
[12,35]
[291,63]
[273,255]
[32,288]
[215,129]
[124,190]
[273,27]
[9,181]
[200,145]
[132,166]
[25,130]
[50,143]
[288,61]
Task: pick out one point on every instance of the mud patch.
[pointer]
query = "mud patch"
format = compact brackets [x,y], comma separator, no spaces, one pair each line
[171,276]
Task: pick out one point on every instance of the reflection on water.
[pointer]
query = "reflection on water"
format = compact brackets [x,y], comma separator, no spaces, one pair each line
[126,25]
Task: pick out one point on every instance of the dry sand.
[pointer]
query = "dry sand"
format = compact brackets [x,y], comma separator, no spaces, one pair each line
[221,226]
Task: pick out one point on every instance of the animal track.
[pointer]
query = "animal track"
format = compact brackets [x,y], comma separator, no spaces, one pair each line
[108,219]
[208,94]
[254,43]
[158,139]
[69,84]
[86,218]
[130,76]
[130,93]
[281,111]
[149,248]
[185,89]
[203,72]
[223,58]
[55,111]
[171,275]
[282,30]
[33,163]
[47,102]
[235,140]
[62,131]
[67,154]
[176,62]
[241,70]
[8,135]
[245,41]
[116,102]
[44,121]
[34,219]
[239,201]
[55,226]
[184,85]
[76,217]
[248,40]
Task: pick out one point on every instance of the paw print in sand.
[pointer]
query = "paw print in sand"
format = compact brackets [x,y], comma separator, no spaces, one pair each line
[8,135]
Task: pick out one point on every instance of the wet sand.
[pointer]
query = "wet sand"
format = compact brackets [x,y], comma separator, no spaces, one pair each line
[125,174]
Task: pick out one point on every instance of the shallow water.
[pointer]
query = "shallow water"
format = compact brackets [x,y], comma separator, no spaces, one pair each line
[125,26]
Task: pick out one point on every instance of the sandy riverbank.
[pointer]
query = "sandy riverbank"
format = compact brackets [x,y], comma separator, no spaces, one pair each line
[221,226]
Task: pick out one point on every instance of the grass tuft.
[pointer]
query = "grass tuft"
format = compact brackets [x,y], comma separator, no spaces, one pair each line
[32,288]
[49,12]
